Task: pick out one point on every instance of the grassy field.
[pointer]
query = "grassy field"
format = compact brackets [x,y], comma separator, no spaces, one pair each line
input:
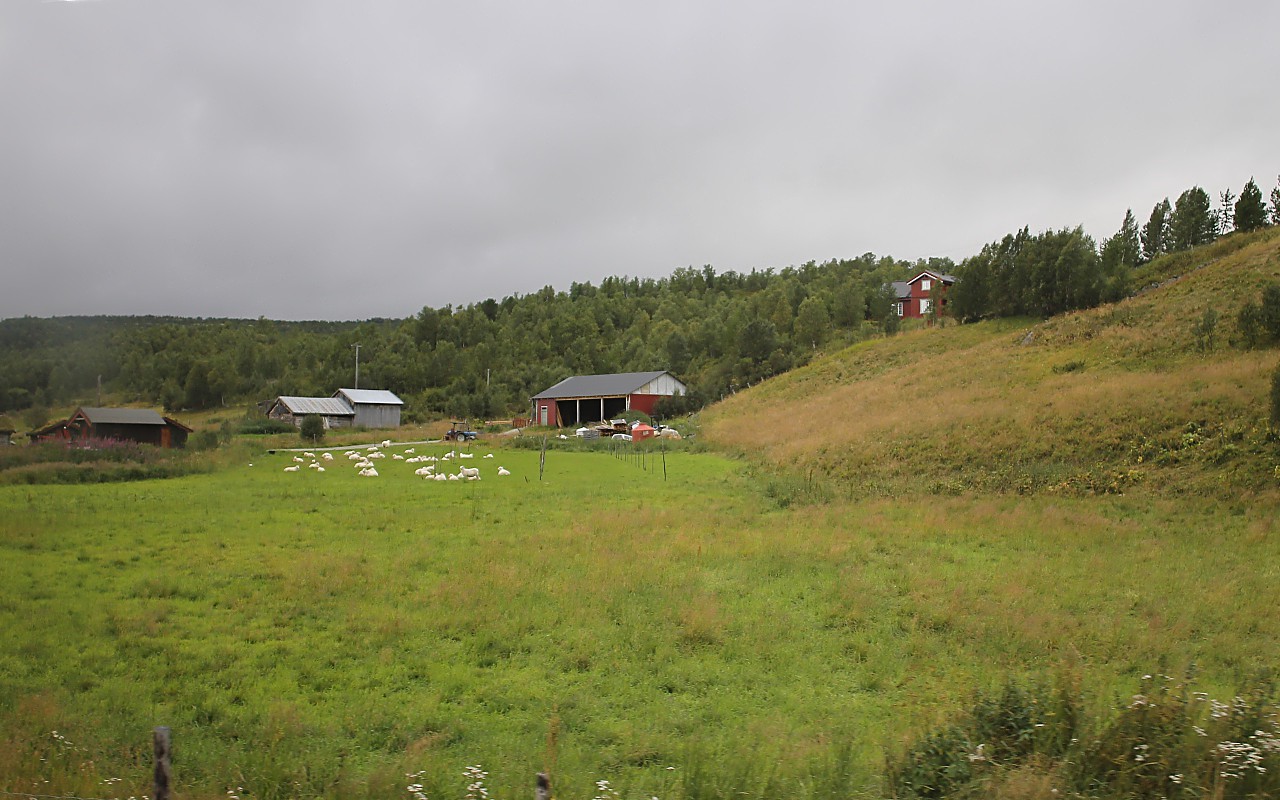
[325,635]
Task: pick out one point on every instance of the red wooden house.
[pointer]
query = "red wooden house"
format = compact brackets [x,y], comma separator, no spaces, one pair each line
[916,298]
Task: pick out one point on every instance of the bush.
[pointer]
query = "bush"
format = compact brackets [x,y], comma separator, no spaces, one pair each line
[312,428]
[1275,398]
[1258,324]
[264,426]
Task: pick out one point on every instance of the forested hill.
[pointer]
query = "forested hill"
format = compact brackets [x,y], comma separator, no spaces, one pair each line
[715,330]
[1169,390]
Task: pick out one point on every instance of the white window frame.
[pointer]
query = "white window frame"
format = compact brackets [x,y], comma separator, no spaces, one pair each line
[926,285]
[924,305]
[899,309]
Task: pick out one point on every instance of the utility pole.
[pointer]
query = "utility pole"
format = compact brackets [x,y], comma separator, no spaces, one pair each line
[357,347]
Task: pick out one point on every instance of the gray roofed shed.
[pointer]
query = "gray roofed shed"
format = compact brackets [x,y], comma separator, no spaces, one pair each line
[324,406]
[374,408]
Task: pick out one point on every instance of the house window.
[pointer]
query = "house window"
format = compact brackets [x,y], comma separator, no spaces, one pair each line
[924,305]
[899,306]
[925,285]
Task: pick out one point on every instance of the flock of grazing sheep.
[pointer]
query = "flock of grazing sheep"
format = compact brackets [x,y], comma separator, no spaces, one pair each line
[363,461]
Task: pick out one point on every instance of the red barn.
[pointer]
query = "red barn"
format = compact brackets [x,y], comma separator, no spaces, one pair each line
[594,398]
[914,299]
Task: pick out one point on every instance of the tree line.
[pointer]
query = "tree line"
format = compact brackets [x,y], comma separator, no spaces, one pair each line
[717,331]
[1055,271]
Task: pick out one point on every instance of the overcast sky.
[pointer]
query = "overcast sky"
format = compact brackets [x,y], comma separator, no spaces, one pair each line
[331,159]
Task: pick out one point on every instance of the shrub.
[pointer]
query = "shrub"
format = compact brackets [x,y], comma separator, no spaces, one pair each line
[206,439]
[1275,398]
[1258,324]
[312,428]
[265,426]
[1204,330]
[1000,731]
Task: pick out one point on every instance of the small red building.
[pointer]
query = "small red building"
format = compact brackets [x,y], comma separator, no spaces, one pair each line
[915,299]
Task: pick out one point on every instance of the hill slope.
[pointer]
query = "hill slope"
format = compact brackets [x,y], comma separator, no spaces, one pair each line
[1114,399]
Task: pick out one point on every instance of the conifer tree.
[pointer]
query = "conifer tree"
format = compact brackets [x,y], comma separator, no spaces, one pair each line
[1275,203]
[1250,212]
[1193,222]
[1155,234]
[1226,213]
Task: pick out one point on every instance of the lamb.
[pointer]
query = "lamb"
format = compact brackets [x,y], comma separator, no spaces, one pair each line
[503,471]
[319,468]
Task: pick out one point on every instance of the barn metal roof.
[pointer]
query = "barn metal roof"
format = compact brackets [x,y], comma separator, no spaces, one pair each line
[615,385]
[324,406]
[370,397]
[122,416]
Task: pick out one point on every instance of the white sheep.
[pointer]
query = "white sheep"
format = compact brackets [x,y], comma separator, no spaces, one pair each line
[453,477]
[308,455]
[327,456]
[488,455]
[353,455]
[319,468]
[298,459]
[409,452]
[468,472]
[430,458]
[466,455]
[293,468]
[369,473]
[386,442]
[397,457]
[440,476]
[503,471]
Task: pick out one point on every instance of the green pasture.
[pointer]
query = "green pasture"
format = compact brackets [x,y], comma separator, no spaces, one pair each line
[325,635]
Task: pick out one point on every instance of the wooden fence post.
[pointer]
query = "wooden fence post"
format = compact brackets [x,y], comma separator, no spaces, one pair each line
[160,739]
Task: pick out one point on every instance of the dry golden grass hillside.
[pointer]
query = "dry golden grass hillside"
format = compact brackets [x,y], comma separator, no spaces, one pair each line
[1115,399]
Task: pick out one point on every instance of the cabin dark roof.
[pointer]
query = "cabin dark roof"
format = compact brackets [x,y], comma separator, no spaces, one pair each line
[122,416]
[901,289]
[615,385]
